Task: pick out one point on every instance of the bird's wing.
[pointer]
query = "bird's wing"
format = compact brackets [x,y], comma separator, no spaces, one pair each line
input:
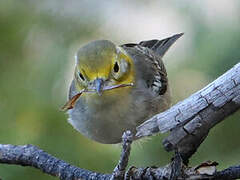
[160,47]
[147,55]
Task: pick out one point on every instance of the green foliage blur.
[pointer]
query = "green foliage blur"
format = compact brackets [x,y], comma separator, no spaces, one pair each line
[38,40]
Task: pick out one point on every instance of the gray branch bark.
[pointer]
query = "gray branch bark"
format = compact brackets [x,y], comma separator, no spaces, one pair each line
[29,155]
[191,119]
[189,122]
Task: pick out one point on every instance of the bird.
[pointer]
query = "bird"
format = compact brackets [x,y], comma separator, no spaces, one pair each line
[116,88]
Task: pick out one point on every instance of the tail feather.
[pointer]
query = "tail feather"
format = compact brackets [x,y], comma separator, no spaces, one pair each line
[161,46]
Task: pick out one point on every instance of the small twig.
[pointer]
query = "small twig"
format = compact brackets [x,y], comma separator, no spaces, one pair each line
[71,102]
[119,171]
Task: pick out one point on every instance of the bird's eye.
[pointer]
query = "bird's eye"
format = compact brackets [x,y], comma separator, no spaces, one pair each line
[81,76]
[116,67]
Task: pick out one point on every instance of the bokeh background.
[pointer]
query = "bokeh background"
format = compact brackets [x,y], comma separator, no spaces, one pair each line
[38,40]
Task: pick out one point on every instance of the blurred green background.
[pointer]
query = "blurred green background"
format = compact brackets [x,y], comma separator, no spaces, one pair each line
[38,40]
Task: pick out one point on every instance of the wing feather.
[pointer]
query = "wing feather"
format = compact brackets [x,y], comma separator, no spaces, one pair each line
[148,57]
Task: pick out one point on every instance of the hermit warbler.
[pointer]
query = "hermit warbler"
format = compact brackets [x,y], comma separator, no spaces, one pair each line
[120,87]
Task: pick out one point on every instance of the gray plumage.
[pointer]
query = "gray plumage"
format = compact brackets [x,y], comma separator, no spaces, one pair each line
[106,118]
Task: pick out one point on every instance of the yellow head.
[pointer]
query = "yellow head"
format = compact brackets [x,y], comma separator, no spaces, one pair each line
[100,66]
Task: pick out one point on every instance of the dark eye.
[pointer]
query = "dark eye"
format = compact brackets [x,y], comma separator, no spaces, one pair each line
[116,67]
[81,76]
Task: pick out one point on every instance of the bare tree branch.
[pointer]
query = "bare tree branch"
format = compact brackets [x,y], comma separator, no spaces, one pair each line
[189,122]
[29,155]
[194,173]
[229,173]
[191,119]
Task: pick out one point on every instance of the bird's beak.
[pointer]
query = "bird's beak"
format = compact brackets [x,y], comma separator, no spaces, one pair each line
[99,85]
